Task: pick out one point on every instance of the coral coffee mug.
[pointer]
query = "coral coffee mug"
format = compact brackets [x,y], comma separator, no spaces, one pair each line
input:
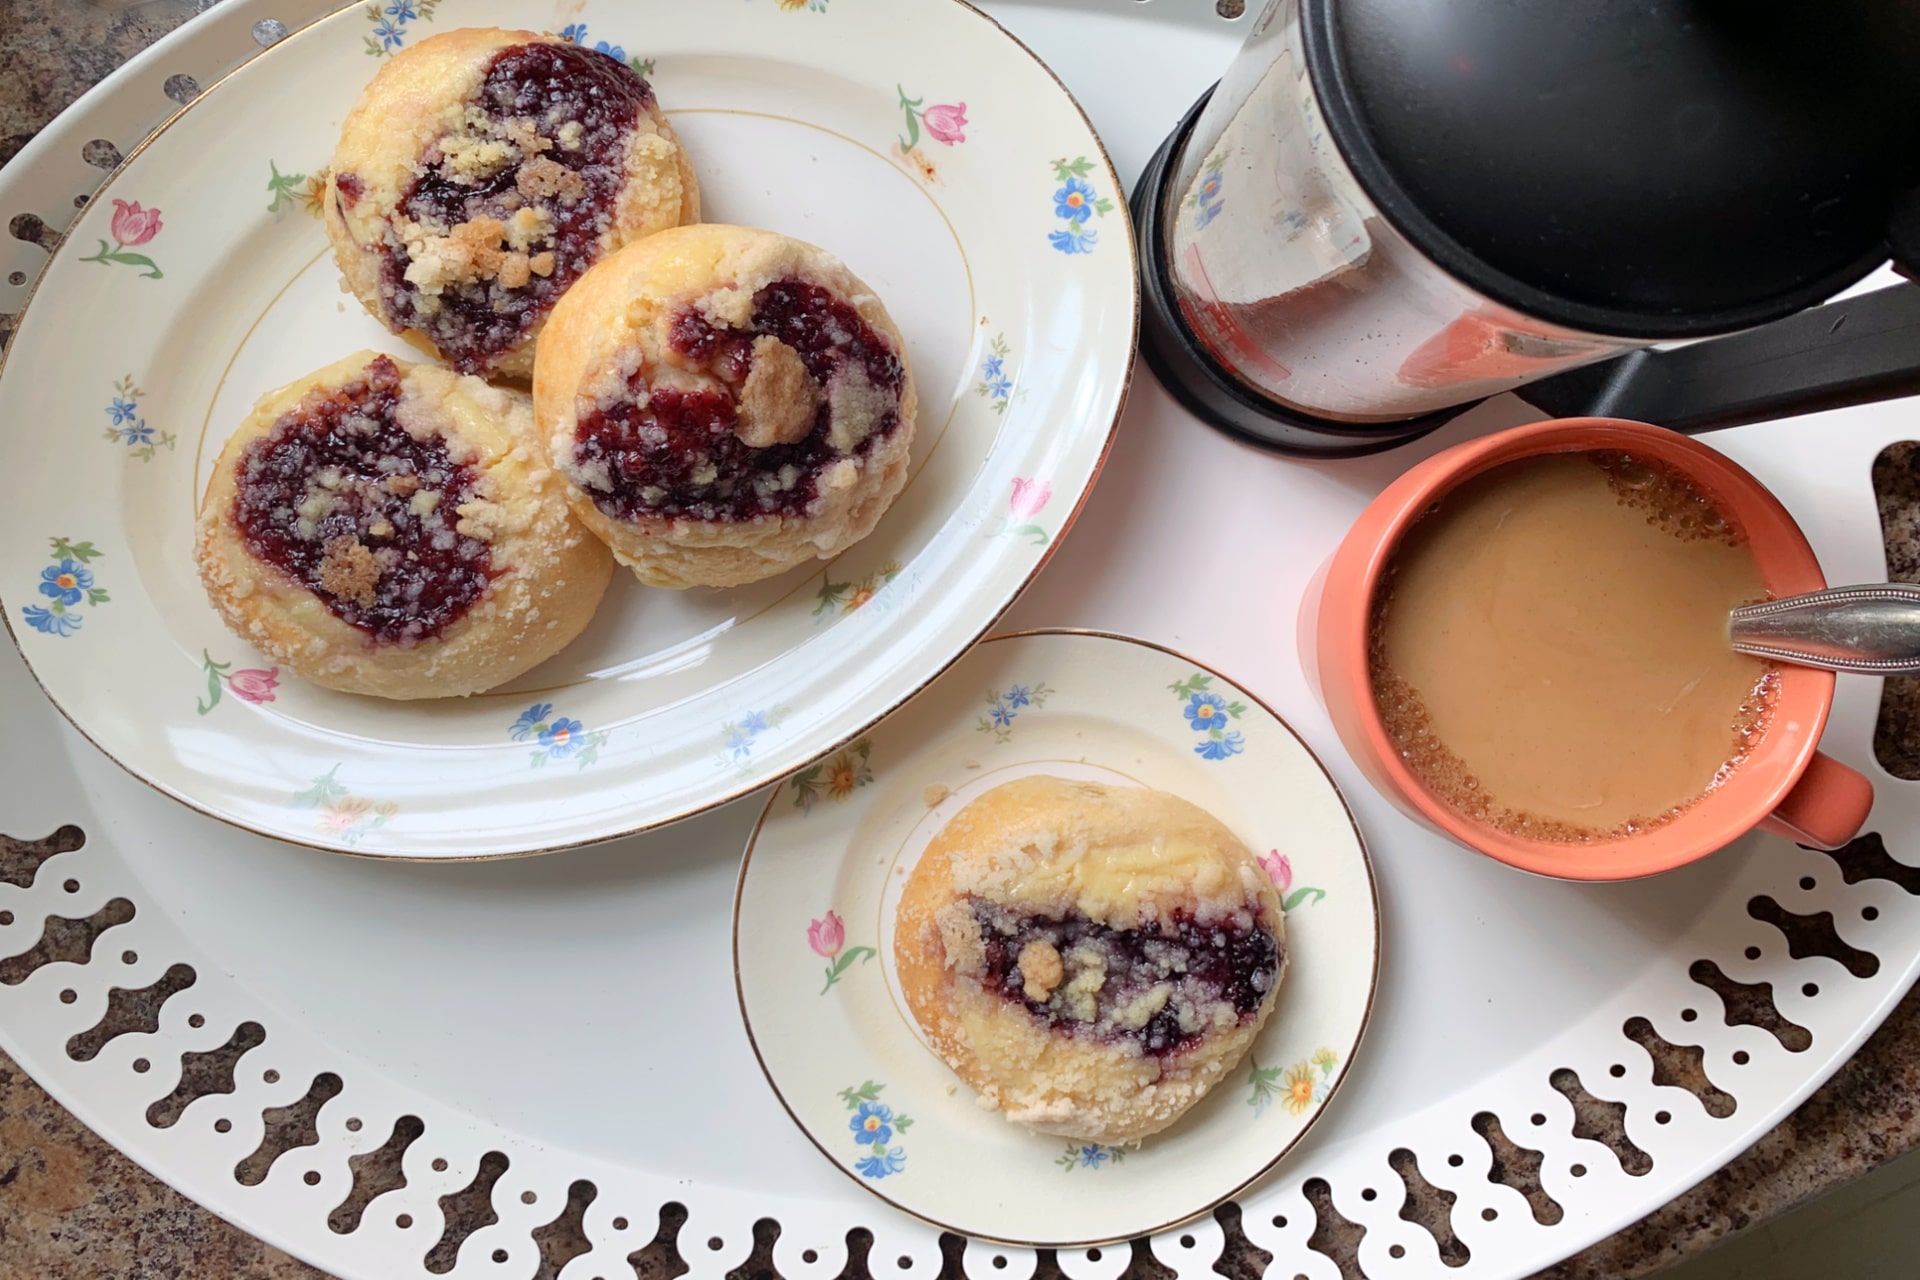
[1783,784]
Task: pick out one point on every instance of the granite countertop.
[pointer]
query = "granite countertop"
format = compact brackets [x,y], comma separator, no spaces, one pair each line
[73,1208]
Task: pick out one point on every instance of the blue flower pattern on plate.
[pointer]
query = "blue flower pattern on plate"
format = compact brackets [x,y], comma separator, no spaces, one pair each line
[1211,715]
[1075,239]
[737,737]
[530,721]
[563,738]
[556,738]
[879,1166]
[65,584]
[1090,1155]
[1228,744]
[576,33]
[390,22]
[998,384]
[54,624]
[1004,708]
[996,381]
[1075,202]
[1202,708]
[127,427]
[873,1125]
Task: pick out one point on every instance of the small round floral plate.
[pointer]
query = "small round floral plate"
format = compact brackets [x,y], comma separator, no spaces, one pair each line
[813,938]
[914,138]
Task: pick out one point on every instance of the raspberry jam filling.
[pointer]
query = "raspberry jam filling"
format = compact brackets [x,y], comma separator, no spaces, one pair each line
[1161,989]
[671,452]
[510,206]
[354,508]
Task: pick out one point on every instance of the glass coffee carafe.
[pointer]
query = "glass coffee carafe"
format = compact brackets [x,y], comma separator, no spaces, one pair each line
[1386,212]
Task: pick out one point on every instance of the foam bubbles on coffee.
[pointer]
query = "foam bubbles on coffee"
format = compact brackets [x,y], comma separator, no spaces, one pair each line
[1549,651]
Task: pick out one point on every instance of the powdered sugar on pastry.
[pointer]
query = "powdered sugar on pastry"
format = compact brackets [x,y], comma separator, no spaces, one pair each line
[481,173]
[393,530]
[728,403]
[1092,960]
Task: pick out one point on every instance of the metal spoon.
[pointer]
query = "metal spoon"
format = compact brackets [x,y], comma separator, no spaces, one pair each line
[1873,629]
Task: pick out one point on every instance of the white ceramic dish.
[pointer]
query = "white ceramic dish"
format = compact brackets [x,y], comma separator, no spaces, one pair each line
[197,280]
[813,937]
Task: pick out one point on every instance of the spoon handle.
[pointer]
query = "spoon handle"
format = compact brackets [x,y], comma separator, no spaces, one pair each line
[1872,629]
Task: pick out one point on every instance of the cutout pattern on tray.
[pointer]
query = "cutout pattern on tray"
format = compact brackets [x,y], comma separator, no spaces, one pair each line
[462,1201]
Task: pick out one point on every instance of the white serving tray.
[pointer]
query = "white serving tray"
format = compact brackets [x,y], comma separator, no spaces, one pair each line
[575,1014]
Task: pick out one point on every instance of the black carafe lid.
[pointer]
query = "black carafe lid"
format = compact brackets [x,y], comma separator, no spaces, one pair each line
[1649,168]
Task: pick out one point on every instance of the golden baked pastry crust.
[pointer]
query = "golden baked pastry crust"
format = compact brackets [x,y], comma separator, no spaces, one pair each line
[1128,859]
[618,318]
[420,96]
[550,574]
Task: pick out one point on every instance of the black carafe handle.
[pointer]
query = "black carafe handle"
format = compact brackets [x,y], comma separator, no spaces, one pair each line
[1850,352]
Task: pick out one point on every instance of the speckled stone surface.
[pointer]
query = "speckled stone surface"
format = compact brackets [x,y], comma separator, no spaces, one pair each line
[55,50]
[73,1208]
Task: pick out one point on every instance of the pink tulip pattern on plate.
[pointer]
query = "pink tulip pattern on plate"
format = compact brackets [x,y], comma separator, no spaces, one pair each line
[249,684]
[943,122]
[132,226]
[1279,869]
[1030,498]
[828,938]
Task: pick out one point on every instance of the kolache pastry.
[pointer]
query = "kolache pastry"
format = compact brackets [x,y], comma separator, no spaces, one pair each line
[393,529]
[725,404]
[481,173]
[1091,960]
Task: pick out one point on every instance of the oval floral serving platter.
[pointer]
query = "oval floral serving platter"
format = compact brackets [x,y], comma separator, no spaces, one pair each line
[914,138]
[813,937]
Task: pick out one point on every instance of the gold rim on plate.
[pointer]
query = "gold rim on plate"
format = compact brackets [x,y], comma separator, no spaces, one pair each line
[1231,1193]
[867,720]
